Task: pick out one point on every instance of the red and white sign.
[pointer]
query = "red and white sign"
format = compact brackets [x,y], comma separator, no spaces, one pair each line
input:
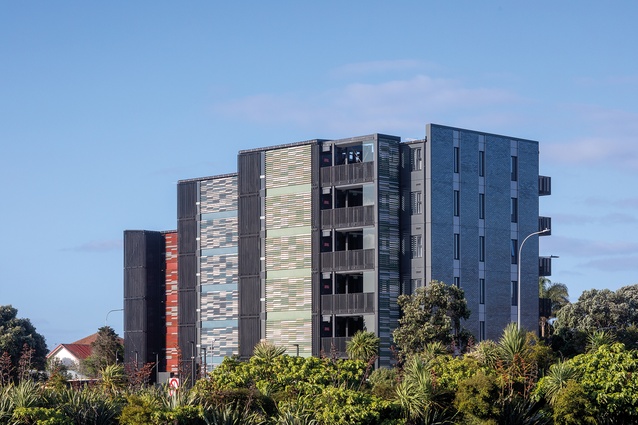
[173,385]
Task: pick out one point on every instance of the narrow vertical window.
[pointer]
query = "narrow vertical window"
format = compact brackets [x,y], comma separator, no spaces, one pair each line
[416,283]
[417,246]
[417,160]
[481,330]
[457,246]
[481,205]
[481,164]
[481,291]
[514,293]
[457,281]
[514,251]
[514,168]
[457,159]
[514,210]
[482,248]
[457,203]
[416,202]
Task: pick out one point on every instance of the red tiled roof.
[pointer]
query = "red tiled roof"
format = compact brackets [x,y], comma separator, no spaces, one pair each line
[79,351]
[87,340]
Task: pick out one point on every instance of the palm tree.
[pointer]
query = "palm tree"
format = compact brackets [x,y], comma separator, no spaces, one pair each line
[267,351]
[363,346]
[556,379]
[555,291]
[598,338]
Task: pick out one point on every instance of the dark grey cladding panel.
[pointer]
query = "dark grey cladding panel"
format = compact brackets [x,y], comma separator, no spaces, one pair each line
[186,339]
[135,314]
[248,256]
[249,290]
[249,208]
[187,272]
[186,199]
[249,167]
[249,335]
[134,282]
[187,234]
[187,313]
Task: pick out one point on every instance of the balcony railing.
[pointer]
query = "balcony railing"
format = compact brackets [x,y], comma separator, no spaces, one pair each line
[544,185]
[335,346]
[360,172]
[348,217]
[348,303]
[544,266]
[359,259]
[545,223]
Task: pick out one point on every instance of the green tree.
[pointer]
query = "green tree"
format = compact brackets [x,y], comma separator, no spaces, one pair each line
[432,313]
[363,346]
[555,291]
[105,350]
[15,333]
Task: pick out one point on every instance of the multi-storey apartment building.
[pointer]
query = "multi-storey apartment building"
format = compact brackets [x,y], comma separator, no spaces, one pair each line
[313,241]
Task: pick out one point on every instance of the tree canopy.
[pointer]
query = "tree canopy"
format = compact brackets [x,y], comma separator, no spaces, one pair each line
[16,334]
[432,313]
[105,351]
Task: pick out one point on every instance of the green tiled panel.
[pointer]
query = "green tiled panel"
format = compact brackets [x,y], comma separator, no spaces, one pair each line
[289,294]
[288,166]
[288,211]
[286,333]
[289,252]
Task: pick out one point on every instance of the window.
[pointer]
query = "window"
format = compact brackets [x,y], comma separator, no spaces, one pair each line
[457,246]
[457,203]
[481,205]
[481,291]
[514,210]
[415,200]
[457,159]
[514,251]
[417,160]
[481,164]
[417,246]
[416,283]
[514,168]
[514,293]
[457,281]
[482,248]
[481,330]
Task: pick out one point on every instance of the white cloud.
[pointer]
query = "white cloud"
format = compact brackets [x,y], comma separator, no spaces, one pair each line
[98,246]
[613,264]
[577,247]
[379,67]
[399,106]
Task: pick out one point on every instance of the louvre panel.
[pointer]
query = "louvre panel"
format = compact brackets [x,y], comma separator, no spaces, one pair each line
[249,167]
[187,308]
[134,282]
[249,210]
[292,210]
[249,295]
[348,174]
[187,272]
[348,217]
[359,259]
[249,336]
[186,199]
[289,294]
[187,231]
[134,248]
[545,223]
[348,303]
[290,252]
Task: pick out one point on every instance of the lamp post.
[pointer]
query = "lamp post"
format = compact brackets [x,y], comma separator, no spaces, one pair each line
[518,276]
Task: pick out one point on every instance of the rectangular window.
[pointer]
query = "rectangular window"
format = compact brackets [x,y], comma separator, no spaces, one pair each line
[514,210]
[514,251]
[416,283]
[457,246]
[457,281]
[481,205]
[457,159]
[417,246]
[417,160]
[482,248]
[481,291]
[457,203]
[514,293]
[481,330]
[415,200]
[514,168]
[481,164]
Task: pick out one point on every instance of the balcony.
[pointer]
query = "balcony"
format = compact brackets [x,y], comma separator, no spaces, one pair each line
[358,259]
[347,217]
[359,172]
[545,223]
[544,185]
[544,266]
[335,346]
[348,303]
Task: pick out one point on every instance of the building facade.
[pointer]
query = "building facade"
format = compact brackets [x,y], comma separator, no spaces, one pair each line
[310,242]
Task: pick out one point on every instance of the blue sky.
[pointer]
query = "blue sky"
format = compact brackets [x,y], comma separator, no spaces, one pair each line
[105,106]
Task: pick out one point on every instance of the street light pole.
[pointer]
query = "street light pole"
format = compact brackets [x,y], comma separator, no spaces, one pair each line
[518,277]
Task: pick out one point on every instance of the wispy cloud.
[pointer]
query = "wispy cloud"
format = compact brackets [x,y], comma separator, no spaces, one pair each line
[98,246]
[578,247]
[398,105]
[610,140]
[613,264]
[565,219]
[379,67]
